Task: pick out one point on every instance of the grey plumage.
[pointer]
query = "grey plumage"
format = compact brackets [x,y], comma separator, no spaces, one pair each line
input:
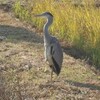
[53,51]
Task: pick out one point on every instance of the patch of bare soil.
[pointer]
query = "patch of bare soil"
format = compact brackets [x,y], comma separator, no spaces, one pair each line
[22,75]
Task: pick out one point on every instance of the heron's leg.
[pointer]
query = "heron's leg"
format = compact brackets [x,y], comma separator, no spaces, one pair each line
[51,74]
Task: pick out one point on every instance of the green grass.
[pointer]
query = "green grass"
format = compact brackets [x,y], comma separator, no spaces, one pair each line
[80,26]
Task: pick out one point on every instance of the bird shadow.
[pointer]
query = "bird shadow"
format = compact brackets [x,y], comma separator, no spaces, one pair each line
[18,34]
[55,85]
[84,85]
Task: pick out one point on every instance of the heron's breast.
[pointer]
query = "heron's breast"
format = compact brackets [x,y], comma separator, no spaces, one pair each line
[49,56]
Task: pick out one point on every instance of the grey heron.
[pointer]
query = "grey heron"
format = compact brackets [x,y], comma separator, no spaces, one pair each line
[53,52]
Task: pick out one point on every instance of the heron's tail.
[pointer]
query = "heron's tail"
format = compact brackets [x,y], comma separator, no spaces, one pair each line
[56,68]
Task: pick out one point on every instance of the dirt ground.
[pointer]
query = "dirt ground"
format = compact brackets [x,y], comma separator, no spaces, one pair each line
[22,65]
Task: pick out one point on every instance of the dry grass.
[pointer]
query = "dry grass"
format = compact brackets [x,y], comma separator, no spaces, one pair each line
[22,75]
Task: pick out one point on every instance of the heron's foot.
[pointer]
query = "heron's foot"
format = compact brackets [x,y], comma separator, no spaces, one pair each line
[56,78]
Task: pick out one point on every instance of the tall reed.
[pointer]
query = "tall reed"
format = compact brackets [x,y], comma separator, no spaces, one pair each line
[80,26]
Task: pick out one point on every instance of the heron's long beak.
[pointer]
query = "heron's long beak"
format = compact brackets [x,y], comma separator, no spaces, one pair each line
[39,15]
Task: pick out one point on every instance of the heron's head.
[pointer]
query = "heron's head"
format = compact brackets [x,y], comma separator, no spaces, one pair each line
[45,14]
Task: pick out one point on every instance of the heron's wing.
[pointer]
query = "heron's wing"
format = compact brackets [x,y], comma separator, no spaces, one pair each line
[56,55]
[56,52]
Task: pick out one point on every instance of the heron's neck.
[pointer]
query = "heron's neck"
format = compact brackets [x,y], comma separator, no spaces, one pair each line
[46,27]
